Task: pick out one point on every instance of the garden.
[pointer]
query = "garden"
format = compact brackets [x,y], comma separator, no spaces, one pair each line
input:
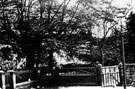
[51,37]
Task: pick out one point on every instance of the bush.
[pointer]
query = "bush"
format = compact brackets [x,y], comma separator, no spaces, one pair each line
[8,65]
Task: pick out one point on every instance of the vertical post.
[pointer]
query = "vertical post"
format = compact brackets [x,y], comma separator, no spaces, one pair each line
[123,57]
[120,74]
[99,79]
[13,79]
[3,80]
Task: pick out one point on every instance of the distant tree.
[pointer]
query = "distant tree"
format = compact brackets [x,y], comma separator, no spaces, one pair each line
[104,14]
[105,19]
[130,48]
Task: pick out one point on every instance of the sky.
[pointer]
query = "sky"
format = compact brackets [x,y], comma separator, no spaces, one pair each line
[119,3]
[124,3]
[71,3]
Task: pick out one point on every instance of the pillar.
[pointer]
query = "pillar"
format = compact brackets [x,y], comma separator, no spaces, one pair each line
[13,79]
[3,80]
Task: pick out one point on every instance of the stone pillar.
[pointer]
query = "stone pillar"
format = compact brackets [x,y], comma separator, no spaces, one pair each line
[13,79]
[3,80]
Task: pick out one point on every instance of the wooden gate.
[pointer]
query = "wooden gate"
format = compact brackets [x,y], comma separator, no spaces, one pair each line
[110,76]
[78,76]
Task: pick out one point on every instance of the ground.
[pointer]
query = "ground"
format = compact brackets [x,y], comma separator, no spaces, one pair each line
[82,87]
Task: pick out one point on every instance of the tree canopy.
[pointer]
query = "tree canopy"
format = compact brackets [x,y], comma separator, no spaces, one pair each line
[30,26]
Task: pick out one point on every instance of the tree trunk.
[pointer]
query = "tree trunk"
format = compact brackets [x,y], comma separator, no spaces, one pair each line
[30,63]
[102,55]
[50,62]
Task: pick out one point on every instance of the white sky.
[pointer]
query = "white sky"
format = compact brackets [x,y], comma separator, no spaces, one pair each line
[71,3]
[119,3]
[124,3]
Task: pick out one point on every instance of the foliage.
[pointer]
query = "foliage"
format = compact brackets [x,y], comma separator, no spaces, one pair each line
[9,60]
[130,36]
[7,65]
[14,64]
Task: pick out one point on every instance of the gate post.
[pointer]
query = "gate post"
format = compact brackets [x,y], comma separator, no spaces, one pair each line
[120,74]
[3,80]
[98,67]
[13,79]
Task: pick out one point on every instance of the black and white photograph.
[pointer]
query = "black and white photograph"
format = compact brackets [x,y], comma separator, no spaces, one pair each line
[67,44]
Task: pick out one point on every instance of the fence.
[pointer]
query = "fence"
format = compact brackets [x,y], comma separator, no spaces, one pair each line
[106,76]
